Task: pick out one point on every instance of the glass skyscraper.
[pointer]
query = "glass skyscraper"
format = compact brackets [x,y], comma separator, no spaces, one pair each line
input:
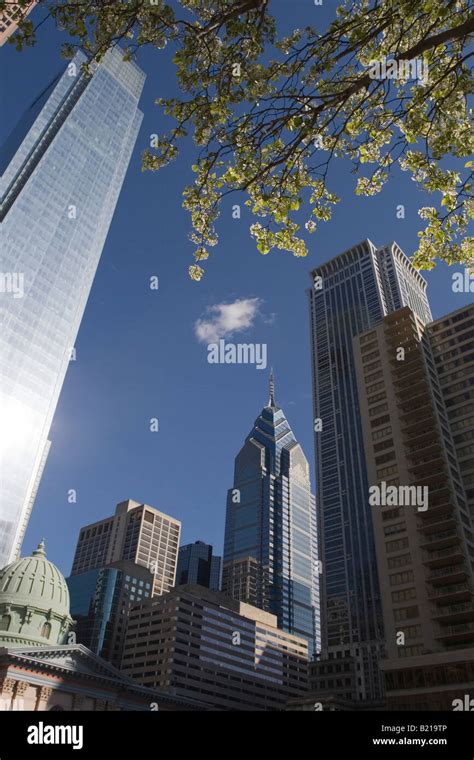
[100,604]
[270,548]
[62,171]
[350,294]
[198,565]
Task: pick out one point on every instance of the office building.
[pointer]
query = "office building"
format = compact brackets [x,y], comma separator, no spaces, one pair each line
[198,643]
[270,548]
[100,604]
[61,170]
[349,294]
[439,681]
[451,339]
[422,522]
[198,566]
[11,16]
[138,533]
[334,686]
[241,579]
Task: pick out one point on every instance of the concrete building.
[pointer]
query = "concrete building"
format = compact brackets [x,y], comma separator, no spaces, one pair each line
[438,681]
[11,16]
[452,345]
[334,685]
[41,666]
[335,676]
[198,643]
[138,533]
[241,579]
[421,517]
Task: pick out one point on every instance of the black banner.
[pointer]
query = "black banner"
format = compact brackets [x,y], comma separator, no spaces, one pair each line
[377,734]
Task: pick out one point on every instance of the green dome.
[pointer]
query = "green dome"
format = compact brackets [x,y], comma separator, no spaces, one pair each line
[34,601]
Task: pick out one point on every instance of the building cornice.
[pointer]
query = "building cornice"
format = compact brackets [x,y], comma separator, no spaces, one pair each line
[117,682]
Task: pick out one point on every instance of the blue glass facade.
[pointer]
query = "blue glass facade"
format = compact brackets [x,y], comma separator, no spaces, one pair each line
[100,601]
[197,565]
[58,192]
[350,294]
[93,607]
[270,549]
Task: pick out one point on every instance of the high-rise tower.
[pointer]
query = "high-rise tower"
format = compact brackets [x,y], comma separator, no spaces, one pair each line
[423,529]
[136,533]
[350,294]
[63,168]
[270,548]
[452,346]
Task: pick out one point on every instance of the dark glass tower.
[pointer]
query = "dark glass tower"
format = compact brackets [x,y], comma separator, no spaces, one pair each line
[197,566]
[351,293]
[270,549]
[100,603]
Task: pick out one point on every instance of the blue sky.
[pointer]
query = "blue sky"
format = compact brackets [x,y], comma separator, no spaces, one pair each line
[138,356]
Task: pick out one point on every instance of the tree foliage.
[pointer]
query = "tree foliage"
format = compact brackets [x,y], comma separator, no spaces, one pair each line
[270,113]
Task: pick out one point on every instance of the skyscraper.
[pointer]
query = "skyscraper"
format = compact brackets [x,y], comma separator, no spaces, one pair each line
[270,548]
[137,533]
[452,346]
[350,294]
[63,168]
[198,566]
[423,529]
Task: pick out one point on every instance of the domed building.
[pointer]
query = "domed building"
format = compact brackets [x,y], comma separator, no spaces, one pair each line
[41,665]
[34,602]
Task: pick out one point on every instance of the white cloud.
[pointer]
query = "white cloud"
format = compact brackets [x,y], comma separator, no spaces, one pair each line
[226,319]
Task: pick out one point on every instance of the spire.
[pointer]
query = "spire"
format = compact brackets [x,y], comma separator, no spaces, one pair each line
[40,552]
[271,384]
